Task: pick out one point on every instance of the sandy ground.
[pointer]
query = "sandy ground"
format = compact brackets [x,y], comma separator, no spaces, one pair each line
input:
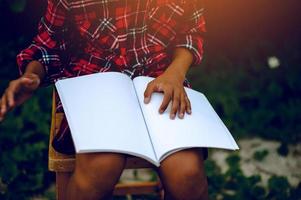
[130,175]
[273,164]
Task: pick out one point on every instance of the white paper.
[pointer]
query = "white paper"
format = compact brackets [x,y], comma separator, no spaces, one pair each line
[104,114]
[203,128]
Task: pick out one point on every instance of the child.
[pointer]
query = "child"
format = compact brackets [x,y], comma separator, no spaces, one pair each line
[158,38]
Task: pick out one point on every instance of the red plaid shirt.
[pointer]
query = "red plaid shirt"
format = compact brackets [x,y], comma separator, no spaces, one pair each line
[136,37]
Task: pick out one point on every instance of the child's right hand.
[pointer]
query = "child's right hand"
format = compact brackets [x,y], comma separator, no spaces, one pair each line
[17,92]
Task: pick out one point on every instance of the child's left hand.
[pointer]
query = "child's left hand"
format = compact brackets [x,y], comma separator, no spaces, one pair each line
[171,85]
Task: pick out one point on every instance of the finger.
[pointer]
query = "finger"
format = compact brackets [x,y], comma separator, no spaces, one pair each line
[1,117]
[166,99]
[182,107]
[175,104]
[11,98]
[148,92]
[188,105]
[11,90]
[26,80]
[3,106]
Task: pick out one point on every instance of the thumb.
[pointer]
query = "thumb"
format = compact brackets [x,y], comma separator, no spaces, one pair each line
[26,80]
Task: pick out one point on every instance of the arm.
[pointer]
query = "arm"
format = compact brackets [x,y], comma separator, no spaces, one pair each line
[39,63]
[192,30]
[49,45]
[181,63]
[188,51]
[35,68]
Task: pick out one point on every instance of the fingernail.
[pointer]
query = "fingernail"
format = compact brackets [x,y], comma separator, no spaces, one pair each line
[181,115]
[172,116]
[146,100]
[189,111]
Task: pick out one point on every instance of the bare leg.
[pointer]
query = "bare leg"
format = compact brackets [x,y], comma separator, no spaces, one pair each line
[183,176]
[95,176]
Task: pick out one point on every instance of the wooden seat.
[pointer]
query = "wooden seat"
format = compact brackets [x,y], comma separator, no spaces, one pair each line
[63,165]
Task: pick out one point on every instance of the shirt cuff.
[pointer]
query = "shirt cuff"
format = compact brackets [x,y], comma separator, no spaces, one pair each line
[194,44]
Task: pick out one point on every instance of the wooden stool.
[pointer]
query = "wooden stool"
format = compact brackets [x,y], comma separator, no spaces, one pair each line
[63,165]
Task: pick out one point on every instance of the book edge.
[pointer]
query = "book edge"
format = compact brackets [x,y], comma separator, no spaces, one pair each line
[143,156]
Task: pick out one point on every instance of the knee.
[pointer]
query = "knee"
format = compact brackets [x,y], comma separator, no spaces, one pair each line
[188,183]
[183,175]
[98,171]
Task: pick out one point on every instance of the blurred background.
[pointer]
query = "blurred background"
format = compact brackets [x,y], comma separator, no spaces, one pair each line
[250,73]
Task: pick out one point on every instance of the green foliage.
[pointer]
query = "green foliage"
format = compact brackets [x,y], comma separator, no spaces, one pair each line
[234,185]
[24,149]
[283,149]
[260,155]
[279,188]
[16,6]
[23,138]
[253,99]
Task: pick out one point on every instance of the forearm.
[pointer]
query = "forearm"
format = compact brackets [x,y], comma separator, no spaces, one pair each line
[35,68]
[182,60]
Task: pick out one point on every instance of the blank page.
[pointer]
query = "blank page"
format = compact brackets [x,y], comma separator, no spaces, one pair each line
[203,128]
[104,114]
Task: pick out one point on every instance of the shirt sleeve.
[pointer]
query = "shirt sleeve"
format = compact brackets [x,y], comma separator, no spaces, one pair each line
[49,45]
[192,29]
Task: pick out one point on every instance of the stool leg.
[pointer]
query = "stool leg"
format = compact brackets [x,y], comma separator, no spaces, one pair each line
[161,190]
[62,179]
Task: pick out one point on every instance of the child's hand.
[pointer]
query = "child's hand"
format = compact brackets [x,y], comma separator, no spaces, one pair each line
[172,87]
[18,91]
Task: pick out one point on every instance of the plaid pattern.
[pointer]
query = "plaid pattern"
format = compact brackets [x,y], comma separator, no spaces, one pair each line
[136,37]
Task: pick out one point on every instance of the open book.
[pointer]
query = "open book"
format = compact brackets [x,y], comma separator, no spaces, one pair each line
[106,113]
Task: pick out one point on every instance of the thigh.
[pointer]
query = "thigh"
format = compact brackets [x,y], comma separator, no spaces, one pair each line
[95,175]
[100,164]
[101,158]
